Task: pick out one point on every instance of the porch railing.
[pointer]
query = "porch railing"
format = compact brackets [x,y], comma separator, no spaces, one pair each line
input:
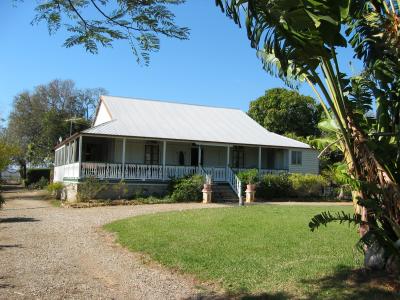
[234,182]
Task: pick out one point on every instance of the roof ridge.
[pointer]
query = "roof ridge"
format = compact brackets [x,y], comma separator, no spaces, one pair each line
[169,101]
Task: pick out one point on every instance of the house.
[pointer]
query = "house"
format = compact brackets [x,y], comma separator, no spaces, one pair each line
[147,142]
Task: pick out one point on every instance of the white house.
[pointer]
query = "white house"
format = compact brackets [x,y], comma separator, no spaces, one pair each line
[148,142]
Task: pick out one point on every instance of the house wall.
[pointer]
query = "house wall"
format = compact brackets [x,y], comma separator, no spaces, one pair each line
[214,156]
[172,153]
[102,115]
[310,162]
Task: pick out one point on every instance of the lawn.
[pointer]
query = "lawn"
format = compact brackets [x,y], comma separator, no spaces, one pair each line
[252,250]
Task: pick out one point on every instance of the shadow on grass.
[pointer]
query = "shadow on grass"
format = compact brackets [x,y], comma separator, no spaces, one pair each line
[347,283]
[18,220]
[262,296]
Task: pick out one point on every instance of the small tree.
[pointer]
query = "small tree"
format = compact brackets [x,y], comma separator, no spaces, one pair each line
[121,189]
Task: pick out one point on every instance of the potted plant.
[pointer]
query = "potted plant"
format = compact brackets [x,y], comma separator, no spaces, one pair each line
[249,177]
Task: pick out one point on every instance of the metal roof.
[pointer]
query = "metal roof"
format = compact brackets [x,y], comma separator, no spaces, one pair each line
[176,121]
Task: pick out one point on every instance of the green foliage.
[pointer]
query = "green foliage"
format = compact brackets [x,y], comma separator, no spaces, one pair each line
[7,153]
[153,200]
[120,189]
[285,111]
[2,201]
[90,188]
[55,189]
[274,186]
[40,184]
[139,22]
[35,175]
[307,185]
[248,176]
[39,118]
[186,188]
[294,185]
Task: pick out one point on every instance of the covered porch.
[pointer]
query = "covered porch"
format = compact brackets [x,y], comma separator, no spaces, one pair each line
[125,158]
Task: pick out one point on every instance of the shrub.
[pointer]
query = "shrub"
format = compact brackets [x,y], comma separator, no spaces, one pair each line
[307,185]
[248,176]
[187,188]
[120,189]
[274,186]
[41,184]
[90,188]
[2,201]
[55,189]
[34,175]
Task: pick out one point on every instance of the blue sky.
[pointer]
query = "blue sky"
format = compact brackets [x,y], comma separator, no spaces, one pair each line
[215,67]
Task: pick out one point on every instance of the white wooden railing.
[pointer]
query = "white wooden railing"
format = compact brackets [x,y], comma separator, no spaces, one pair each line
[217,174]
[234,182]
[180,171]
[71,170]
[262,171]
[143,172]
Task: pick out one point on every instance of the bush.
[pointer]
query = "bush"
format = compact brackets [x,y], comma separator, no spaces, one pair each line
[34,175]
[248,176]
[187,188]
[274,186]
[55,189]
[307,185]
[2,201]
[39,185]
[293,185]
[120,189]
[90,188]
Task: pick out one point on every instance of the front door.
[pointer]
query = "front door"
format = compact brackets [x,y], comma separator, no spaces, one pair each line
[194,157]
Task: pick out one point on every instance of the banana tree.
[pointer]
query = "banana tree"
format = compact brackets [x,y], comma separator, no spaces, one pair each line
[299,40]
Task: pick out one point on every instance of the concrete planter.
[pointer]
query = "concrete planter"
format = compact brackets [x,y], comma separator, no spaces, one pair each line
[207,193]
[250,193]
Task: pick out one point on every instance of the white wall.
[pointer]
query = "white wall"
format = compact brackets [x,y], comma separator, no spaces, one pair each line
[172,153]
[102,115]
[214,156]
[310,162]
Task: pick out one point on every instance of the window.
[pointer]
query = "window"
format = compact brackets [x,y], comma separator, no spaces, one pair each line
[152,154]
[238,157]
[296,158]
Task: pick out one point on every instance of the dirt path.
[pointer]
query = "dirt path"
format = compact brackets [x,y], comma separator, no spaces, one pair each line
[58,253]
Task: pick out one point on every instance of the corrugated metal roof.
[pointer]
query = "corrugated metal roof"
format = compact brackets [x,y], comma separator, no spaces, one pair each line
[176,121]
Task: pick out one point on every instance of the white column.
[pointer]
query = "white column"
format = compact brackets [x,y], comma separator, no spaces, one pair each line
[123,157]
[259,159]
[163,158]
[80,157]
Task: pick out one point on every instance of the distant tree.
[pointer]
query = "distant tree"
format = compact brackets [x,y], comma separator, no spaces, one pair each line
[7,153]
[94,23]
[38,119]
[286,112]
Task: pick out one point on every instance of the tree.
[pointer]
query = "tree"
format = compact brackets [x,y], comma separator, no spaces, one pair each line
[40,118]
[298,40]
[94,23]
[7,153]
[284,111]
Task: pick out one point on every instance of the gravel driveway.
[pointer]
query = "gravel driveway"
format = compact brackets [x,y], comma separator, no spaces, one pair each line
[54,253]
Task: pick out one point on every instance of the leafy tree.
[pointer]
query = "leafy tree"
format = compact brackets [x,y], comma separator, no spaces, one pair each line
[298,40]
[284,111]
[39,118]
[94,23]
[7,153]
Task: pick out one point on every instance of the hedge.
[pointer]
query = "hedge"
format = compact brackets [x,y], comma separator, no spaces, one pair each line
[34,175]
[291,186]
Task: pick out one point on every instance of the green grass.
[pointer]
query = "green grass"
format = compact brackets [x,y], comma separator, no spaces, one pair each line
[55,202]
[249,250]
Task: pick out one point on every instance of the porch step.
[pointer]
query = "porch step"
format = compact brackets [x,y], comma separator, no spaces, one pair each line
[222,192]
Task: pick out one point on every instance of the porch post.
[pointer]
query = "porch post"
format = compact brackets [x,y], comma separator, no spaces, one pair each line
[259,159]
[227,162]
[68,153]
[123,157]
[163,158]
[80,157]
